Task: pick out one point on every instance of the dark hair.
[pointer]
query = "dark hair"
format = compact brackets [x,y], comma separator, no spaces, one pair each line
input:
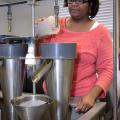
[94,7]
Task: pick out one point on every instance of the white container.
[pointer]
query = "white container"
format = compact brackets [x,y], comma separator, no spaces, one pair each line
[47,27]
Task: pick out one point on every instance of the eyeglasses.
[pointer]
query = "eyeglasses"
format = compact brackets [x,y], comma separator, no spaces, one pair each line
[77,1]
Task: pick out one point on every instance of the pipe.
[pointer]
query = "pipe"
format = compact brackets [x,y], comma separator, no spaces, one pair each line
[33,18]
[115,55]
[15,3]
[56,10]
[32,3]
[9,16]
[42,70]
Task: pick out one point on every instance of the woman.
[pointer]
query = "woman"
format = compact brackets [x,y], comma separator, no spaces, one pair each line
[94,64]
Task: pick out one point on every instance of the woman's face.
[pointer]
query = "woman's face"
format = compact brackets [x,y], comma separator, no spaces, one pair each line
[78,9]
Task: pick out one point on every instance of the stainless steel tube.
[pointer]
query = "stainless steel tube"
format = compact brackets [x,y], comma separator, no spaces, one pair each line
[12,76]
[59,77]
[58,82]
[12,71]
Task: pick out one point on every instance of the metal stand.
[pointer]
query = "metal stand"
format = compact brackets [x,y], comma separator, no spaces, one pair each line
[115,55]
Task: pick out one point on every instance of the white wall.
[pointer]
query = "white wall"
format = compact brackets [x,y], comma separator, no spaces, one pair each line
[22,17]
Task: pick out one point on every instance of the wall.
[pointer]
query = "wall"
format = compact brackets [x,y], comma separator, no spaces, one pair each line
[22,18]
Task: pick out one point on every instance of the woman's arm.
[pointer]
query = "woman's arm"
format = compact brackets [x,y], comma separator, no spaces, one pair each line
[104,68]
[104,65]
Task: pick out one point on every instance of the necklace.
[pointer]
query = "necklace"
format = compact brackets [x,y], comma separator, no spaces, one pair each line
[78,27]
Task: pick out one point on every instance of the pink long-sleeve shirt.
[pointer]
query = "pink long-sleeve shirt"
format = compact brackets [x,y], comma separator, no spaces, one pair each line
[94,62]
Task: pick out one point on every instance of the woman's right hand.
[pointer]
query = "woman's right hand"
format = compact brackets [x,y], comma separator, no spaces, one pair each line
[37,22]
[45,28]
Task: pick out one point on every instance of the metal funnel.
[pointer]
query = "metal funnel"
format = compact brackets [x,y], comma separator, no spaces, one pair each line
[34,107]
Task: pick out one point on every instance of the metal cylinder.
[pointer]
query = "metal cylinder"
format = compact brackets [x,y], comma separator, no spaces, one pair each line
[58,79]
[12,70]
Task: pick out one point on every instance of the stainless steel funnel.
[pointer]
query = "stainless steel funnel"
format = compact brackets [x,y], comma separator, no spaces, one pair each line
[34,107]
[59,77]
[12,70]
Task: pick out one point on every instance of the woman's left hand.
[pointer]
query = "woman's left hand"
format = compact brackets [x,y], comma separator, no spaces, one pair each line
[85,103]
